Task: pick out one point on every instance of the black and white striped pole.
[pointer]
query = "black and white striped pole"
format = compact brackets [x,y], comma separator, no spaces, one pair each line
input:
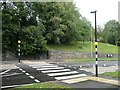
[96,44]
[19,42]
[96,56]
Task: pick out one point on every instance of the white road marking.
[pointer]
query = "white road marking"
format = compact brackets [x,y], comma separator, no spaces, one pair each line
[5,71]
[41,64]
[36,80]
[46,66]
[80,66]
[104,65]
[11,74]
[31,77]
[27,73]
[50,71]
[15,85]
[23,71]
[17,67]
[50,68]
[62,73]
[65,65]
[69,77]
[20,69]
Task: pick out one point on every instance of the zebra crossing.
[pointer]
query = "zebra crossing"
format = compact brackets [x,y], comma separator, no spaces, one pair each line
[56,71]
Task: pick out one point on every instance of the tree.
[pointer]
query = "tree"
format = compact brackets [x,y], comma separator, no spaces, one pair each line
[110,32]
[18,18]
[39,24]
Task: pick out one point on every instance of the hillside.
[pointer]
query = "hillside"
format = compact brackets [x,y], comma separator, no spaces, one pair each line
[85,47]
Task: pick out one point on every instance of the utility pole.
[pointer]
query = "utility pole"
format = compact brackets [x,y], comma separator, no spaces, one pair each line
[96,43]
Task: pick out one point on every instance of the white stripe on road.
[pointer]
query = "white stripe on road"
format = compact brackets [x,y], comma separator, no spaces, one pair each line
[41,64]
[50,68]
[80,66]
[45,66]
[104,65]
[23,71]
[69,77]
[20,69]
[27,73]
[17,67]
[15,86]
[31,77]
[36,80]
[63,73]
[55,71]
[5,72]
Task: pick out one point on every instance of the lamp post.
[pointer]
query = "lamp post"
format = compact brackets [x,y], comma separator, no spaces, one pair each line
[96,43]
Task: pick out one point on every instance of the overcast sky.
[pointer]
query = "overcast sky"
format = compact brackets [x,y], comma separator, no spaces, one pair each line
[106,10]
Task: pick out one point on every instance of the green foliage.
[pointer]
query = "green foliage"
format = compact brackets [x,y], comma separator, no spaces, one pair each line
[113,74]
[43,86]
[79,47]
[62,22]
[37,24]
[90,59]
[33,42]
[16,23]
[110,33]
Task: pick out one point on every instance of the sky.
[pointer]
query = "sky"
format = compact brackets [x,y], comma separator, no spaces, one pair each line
[106,10]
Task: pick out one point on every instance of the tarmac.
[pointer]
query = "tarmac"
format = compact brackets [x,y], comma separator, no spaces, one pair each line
[84,82]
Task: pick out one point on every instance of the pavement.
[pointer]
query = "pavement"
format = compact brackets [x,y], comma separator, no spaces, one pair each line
[29,72]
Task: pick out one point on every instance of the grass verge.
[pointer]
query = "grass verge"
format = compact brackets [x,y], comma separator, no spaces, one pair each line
[112,74]
[90,59]
[42,86]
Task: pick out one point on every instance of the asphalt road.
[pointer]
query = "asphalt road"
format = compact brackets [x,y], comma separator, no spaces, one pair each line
[25,74]
[89,64]
[36,73]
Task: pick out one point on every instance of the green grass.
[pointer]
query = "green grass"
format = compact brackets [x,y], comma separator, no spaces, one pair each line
[42,86]
[113,74]
[86,47]
[89,59]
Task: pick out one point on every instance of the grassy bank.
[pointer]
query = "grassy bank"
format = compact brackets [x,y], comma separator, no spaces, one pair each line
[112,74]
[90,59]
[86,47]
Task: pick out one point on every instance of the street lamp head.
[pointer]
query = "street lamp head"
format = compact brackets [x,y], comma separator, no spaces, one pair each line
[93,11]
